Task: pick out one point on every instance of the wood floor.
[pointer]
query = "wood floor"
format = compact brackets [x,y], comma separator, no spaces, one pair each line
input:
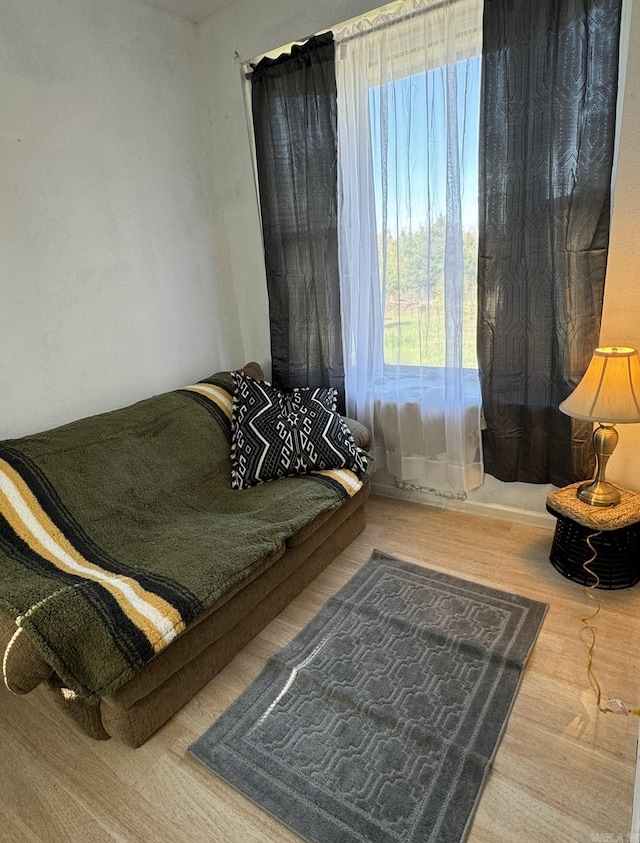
[563,772]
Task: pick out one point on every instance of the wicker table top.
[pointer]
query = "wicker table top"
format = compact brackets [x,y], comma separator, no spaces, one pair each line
[566,502]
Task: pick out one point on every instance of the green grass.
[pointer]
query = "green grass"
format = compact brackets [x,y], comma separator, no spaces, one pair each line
[415,336]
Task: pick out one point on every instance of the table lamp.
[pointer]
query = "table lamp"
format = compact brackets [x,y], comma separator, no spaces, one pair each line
[609,394]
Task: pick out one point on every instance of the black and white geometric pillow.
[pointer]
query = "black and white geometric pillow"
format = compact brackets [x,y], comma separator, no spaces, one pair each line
[277,434]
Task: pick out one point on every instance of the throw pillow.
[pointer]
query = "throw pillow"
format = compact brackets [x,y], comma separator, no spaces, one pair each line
[277,434]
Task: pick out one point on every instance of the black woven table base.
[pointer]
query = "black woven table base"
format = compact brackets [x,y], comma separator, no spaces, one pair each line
[617,562]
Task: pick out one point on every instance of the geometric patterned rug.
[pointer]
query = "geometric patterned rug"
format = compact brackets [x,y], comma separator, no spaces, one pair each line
[380,720]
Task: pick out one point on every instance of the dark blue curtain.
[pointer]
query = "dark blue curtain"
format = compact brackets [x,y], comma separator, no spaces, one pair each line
[548,103]
[294,120]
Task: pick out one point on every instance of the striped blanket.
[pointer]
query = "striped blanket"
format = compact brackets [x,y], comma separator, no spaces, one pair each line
[116,531]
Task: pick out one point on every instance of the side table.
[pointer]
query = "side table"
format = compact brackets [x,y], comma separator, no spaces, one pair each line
[617,546]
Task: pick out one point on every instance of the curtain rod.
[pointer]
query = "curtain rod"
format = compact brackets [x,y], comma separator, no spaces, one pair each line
[282,53]
[373,28]
[383,24]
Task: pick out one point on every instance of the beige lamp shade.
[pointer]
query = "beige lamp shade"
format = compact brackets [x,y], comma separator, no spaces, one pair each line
[610,389]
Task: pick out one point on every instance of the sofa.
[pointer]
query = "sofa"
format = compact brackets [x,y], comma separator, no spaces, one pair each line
[131,570]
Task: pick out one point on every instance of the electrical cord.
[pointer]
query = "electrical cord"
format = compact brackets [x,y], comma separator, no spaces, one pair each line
[612,706]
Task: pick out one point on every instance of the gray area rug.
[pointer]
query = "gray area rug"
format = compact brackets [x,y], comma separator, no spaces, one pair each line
[379,721]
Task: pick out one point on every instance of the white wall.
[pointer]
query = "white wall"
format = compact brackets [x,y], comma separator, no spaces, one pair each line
[227,38]
[111,285]
[621,316]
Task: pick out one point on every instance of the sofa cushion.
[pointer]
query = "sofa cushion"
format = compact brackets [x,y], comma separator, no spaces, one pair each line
[278,434]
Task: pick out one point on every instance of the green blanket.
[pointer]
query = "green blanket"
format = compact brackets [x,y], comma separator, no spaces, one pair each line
[118,530]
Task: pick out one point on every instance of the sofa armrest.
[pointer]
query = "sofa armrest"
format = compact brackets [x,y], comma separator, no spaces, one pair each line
[253,370]
[360,433]
[23,669]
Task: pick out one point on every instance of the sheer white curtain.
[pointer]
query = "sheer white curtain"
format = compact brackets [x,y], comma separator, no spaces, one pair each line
[408,109]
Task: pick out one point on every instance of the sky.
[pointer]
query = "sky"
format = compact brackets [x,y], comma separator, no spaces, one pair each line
[411,114]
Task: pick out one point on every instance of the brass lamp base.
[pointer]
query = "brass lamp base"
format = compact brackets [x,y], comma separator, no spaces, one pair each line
[599,493]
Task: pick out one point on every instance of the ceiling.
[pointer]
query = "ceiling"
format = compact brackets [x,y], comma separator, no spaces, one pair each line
[193,10]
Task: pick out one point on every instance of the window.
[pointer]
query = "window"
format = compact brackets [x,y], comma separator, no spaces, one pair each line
[409,131]
[408,116]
